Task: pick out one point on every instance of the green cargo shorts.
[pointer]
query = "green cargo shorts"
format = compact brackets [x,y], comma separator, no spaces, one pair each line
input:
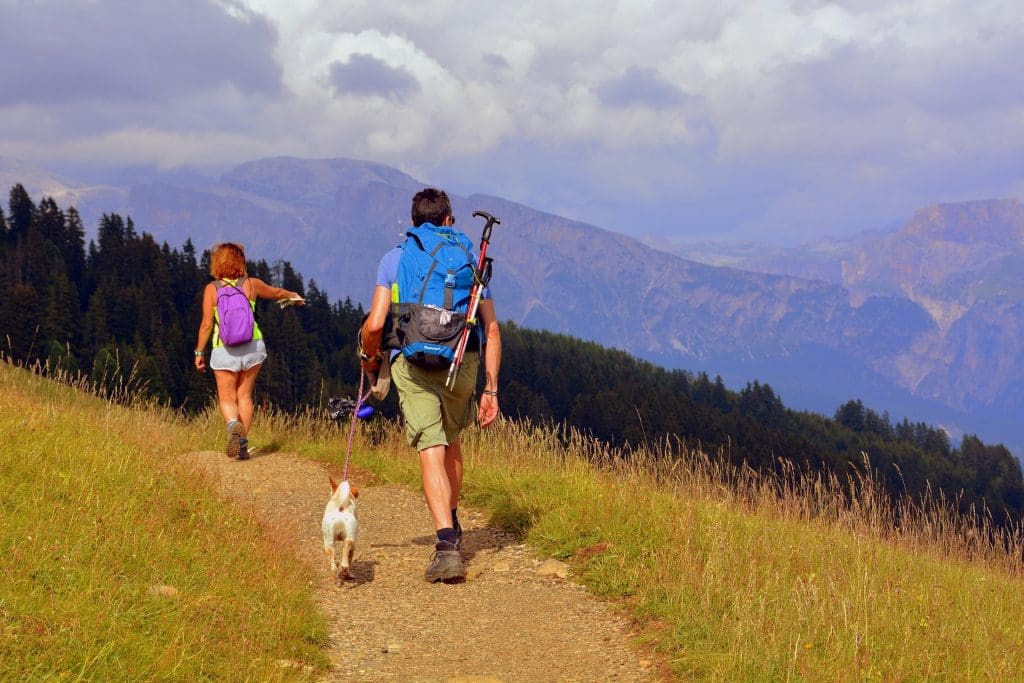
[434,415]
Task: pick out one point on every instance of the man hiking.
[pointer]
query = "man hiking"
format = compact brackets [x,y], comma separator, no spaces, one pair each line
[434,414]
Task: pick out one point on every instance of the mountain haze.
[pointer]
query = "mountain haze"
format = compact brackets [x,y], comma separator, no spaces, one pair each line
[922,322]
[963,264]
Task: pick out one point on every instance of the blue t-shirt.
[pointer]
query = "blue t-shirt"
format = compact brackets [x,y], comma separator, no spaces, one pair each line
[387,272]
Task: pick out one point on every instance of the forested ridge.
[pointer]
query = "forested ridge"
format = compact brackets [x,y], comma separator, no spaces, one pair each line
[124,309]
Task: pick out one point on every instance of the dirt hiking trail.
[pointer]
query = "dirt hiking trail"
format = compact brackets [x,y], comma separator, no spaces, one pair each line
[508,622]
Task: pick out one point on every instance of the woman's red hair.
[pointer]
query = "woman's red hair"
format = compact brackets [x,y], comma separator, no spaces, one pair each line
[227,261]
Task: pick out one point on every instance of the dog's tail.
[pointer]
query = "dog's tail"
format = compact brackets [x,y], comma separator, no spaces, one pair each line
[347,490]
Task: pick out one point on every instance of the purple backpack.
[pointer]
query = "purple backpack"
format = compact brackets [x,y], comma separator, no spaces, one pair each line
[234,312]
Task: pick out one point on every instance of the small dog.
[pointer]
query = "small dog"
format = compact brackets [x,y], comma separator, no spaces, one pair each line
[340,524]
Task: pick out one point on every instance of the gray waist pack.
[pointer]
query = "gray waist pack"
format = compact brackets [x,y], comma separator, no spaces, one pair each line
[427,335]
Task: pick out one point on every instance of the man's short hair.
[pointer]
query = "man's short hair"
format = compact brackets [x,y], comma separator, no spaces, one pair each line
[430,206]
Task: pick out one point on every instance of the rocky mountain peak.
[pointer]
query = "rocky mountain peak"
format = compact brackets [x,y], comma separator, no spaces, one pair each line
[993,220]
[311,181]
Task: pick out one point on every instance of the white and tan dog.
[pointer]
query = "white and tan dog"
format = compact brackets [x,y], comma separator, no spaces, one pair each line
[340,524]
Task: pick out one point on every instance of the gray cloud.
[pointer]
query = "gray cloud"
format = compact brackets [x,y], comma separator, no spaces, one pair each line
[366,75]
[495,60]
[131,50]
[611,187]
[780,121]
[640,86]
[945,83]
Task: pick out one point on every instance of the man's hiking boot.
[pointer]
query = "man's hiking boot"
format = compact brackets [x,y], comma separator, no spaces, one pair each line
[458,537]
[234,446]
[243,451]
[446,564]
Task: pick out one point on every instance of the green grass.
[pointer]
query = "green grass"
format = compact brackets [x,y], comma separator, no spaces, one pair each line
[732,576]
[729,575]
[96,516]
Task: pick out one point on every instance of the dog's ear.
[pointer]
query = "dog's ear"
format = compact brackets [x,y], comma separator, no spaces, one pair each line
[354,491]
[334,484]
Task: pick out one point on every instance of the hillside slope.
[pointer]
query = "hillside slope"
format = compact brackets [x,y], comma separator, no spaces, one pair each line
[818,342]
[118,564]
[791,581]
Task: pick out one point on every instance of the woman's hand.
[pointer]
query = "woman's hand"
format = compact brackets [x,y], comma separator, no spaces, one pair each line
[200,363]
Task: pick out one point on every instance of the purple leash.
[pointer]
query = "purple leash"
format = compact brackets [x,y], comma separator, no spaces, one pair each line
[360,397]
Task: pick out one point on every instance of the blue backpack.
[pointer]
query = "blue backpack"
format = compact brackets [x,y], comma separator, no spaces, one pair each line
[430,297]
[235,319]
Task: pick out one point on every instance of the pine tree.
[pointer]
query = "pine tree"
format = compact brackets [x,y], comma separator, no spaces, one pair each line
[22,212]
[111,254]
[851,415]
[21,340]
[73,248]
[50,221]
[60,321]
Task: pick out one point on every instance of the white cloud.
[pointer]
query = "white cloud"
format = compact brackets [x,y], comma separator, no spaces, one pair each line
[729,101]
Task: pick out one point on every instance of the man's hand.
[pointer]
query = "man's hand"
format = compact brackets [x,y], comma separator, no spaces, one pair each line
[370,362]
[488,411]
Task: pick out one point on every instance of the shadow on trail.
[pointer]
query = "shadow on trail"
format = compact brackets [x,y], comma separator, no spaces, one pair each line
[361,572]
[476,540]
[267,448]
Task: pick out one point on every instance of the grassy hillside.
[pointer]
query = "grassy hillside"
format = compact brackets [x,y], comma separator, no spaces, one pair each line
[731,575]
[117,565]
[734,576]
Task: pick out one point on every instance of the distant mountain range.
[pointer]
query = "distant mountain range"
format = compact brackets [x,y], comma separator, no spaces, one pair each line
[923,322]
[961,264]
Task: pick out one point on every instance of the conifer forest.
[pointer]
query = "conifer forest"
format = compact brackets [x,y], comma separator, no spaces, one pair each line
[124,311]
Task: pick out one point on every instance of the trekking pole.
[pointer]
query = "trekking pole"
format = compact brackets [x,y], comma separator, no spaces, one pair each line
[480,279]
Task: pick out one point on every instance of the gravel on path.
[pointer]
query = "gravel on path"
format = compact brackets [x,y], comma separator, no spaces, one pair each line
[507,622]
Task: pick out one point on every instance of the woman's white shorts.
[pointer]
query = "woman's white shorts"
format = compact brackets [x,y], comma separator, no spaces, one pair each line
[238,358]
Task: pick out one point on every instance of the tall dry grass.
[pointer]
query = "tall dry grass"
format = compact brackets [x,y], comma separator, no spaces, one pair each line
[117,563]
[734,574]
[731,574]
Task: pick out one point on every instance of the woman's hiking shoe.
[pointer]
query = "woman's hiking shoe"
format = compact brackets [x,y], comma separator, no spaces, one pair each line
[446,564]
[243,452]
[234,446]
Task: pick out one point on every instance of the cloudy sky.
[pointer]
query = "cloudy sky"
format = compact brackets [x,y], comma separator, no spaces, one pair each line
[774,120]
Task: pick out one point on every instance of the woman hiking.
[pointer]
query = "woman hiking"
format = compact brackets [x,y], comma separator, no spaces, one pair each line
[229,303]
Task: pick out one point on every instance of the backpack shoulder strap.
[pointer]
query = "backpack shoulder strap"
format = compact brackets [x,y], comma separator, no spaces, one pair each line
[223,282]
[425,239]
[431,241]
